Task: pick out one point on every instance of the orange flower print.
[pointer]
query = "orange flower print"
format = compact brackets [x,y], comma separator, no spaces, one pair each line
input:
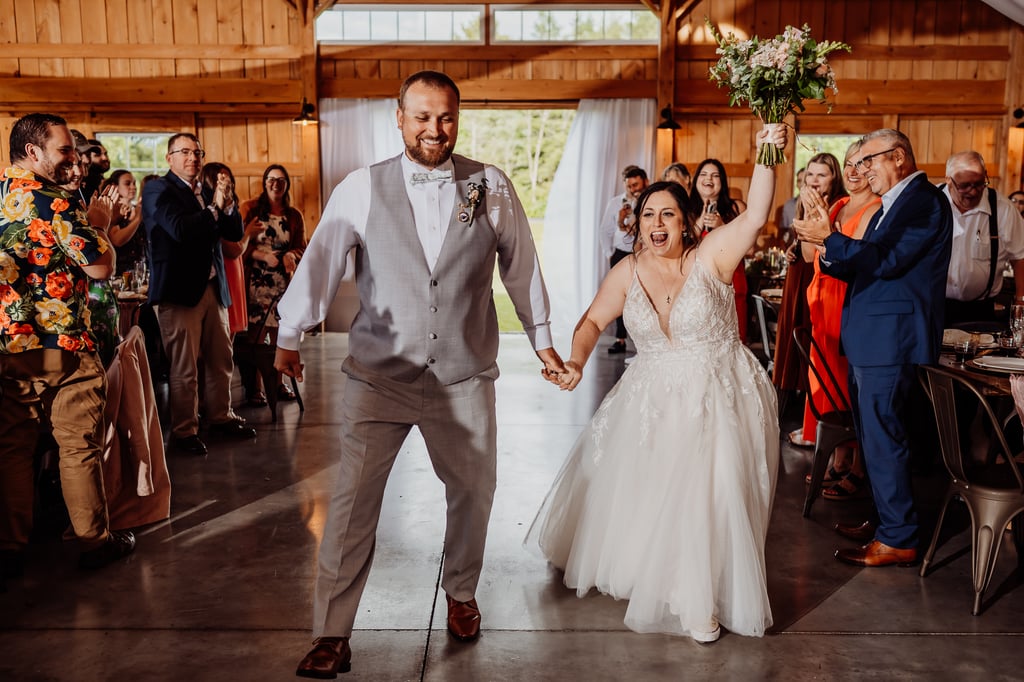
[68,342]
[26,183]
[5,320]
[76,243]
[23,341]
[39,231]
[34,279]
[8,295]
[58,285]
[59,204]
[21,328]
[40,256]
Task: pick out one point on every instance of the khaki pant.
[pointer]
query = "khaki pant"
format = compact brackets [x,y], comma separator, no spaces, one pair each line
[188,333]
[69,389]
[458,425]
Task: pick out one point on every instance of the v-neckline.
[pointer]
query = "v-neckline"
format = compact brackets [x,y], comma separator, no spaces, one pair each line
[667,333]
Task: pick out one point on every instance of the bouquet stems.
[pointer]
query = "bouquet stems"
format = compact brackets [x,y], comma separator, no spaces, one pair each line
[769,154]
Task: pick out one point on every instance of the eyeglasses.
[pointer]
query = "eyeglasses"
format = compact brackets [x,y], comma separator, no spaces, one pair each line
[969,186]
[197,153]
[276,181]
[865,163]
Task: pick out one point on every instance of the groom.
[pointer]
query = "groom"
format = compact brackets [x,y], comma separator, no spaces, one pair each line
[425,228]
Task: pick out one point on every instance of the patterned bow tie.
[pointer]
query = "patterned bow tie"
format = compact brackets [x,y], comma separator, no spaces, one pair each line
[432,176]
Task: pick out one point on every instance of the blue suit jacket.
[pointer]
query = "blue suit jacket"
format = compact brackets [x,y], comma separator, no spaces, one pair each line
[893,311]
[184,240]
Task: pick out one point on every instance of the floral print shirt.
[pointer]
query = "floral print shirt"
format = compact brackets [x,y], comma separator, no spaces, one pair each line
[44,242]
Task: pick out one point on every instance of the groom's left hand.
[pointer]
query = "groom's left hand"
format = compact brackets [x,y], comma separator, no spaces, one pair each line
[553,365]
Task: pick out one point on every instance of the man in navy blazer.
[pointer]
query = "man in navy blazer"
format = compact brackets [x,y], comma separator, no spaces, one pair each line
[185,223]
[892,322]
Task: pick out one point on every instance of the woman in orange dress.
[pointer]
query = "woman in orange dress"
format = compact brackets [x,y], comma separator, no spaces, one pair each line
[823,182]
[825,294]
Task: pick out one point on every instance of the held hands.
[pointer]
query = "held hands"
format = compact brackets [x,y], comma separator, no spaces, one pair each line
[553,365]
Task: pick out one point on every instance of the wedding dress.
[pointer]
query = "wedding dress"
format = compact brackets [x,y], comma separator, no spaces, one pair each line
[665,498]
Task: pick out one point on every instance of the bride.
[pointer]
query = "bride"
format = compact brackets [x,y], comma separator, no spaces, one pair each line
[665,498]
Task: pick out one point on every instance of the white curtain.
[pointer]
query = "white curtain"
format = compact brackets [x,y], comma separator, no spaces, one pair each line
[1014,9]
[355,133]
[606,136]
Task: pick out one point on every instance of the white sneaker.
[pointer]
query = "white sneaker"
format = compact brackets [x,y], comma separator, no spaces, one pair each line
[709,634]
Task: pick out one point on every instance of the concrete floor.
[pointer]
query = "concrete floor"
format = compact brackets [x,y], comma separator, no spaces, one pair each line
[221,591]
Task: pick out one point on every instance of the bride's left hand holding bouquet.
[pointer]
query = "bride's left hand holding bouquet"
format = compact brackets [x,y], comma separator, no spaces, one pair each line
[774,76]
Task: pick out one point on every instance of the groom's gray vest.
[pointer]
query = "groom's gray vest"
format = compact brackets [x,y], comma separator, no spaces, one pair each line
[411,319]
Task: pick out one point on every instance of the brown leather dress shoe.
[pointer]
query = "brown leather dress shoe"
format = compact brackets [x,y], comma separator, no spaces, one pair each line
[876,554]
[463,619]
[864,532]
[328,657]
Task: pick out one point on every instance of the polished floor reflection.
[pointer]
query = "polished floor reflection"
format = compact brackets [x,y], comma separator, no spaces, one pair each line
[221,591]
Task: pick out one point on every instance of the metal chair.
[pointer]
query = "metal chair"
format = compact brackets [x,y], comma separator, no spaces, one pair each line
[257,348]
[993,490]
[767,322]
[835,427]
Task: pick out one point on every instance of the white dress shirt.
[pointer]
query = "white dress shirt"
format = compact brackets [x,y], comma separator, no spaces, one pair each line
[971,256]
[612,235]
[342,228]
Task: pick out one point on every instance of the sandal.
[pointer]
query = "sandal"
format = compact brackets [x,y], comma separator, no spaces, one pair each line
[852,487]
[257,399]
[831,476]
[796,439]
[285,393]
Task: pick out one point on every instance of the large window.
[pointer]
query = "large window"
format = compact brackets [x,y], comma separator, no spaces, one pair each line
[401,24]
[608,23]
[141,153]
[604,25]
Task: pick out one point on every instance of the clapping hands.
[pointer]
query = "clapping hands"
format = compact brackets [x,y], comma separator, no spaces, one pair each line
[100,212]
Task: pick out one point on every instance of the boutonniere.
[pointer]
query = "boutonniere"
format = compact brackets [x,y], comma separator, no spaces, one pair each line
[473,199]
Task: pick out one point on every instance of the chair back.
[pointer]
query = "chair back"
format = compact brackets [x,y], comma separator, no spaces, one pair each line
[942,386]
[767,322]
[808,348]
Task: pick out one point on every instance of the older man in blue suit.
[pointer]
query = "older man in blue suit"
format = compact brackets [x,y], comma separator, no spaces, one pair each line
[892,322]
[185,223]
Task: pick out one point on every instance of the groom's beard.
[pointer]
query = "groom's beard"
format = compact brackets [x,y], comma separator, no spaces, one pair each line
[430,157]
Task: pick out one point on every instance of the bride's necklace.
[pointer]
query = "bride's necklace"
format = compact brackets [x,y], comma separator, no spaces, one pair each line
[668,295]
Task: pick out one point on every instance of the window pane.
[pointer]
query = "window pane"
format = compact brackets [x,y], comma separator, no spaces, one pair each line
[400,23]
[412,26]
[590,25]
[384,26]
[438,25]
[466,25]
[508,26]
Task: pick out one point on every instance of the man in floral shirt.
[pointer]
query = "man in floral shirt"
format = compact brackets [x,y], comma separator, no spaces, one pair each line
[48,364]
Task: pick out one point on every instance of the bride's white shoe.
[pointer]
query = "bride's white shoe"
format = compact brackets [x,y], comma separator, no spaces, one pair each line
[708,634]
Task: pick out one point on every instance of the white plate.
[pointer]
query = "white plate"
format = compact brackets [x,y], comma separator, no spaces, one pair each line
[998,364]
[951,336]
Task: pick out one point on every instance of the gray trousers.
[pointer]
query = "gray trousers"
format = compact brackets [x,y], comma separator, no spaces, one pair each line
[458,425]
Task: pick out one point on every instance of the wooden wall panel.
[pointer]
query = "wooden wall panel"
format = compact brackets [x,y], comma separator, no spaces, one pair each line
[946,71]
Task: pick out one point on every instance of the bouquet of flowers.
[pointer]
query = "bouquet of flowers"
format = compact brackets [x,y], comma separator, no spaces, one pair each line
[774,76]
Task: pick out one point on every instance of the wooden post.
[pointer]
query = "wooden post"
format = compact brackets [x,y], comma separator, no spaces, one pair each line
[665,146]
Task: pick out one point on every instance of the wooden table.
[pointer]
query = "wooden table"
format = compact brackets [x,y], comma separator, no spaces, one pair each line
[990,383]
[128,304]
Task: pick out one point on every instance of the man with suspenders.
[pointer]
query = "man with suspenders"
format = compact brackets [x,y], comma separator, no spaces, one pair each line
[988,233]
